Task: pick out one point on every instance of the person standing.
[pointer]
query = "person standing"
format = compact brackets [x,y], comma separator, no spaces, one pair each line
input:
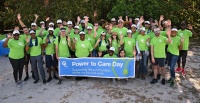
[35,46]
[62,44]
[16,55]
[158,53]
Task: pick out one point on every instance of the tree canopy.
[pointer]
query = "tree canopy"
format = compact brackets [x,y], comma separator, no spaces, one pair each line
[175,10]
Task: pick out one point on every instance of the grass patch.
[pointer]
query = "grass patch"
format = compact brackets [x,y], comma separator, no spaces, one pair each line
[2,37]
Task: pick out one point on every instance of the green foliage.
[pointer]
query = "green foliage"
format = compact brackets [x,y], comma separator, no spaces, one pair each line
[176,10]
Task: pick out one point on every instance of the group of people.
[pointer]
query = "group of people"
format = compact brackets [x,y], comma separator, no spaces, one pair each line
[139,39]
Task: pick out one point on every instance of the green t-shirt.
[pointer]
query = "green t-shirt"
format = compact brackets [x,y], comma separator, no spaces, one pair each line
[129,46]
[74,36]
[151,35]
[116,45]
[173,47]
[102,46]
[83,48]
[159,46]
[24,36]
[186,34]
[50,48]
[119,31]
[36,50]
[57,31]
[108,56]
[142,42]
[108,36]
[98,33]
[91,39]
[63,48]
[163,33]
[16,48]
[134,35]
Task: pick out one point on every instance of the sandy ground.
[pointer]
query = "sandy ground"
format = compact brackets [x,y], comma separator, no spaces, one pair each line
[96,90]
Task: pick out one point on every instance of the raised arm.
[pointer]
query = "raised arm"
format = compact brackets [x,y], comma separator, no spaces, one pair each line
[36,18]
[169,40]
[78,20]
[194,34]
[5,44]
[160,22]
[20,21]
[95,17]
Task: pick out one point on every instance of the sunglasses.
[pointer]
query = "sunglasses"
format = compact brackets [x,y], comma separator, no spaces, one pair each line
[89,29]
[59,23]
[33,26]
[15,34]
[103,36]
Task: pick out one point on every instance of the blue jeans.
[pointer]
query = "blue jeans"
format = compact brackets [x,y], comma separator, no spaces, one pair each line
[172,59]
[143,63]
[94,53]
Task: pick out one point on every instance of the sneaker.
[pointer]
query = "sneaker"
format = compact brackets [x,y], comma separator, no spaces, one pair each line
[178,70]
[172,83]
[49,79]
[154,81]
[59,81]
[158,76]
[183,72]
[143,77]
[169,81]
[36,81]
[26,78]
[44,81]
[18,85]
[55,77]
[163,82]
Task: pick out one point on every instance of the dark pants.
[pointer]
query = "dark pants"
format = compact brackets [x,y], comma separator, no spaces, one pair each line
[143,63]
[172,59]
[37,62]
[17,65]
[183,56]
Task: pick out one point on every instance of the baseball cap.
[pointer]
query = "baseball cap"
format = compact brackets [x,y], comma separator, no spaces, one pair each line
[82,33]
[103,33]
[76,27]
[174,29]
[142,29]
[32,32]
[62,29]
[137,19]
[157,30]
[120,20]
[51,23]
[129,31]
[89,27]
[112,48]
[33,24]
[41,22]
[59,21]
[147,22]
[82,21]
[113,19]
[16,32]
[50,29]
[133,25]
[69,22]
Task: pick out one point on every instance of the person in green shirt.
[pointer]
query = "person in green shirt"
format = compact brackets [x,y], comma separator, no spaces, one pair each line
[62,44]
[70,27]
[16,55]
[27,56]
[173,53]
[158,53]
[186,34]
[74,37]
[142,43]
[128,44]
[102,45]
[120,29]
[91,38]
[110,53]
[114,42]
[35,46]
[135,33]
[57,30]
[83,49]
[147,27]
[50,56]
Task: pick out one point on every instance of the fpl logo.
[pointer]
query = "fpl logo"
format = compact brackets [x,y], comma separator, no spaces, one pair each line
[64,64]
[142,40]
[129,42]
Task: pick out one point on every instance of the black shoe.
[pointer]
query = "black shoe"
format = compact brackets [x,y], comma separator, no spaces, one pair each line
[154,81]
[55,77]
[44,81]
[158,76]
[143,77]
[172,83]
[36,81]
[151,74]
[169,81]
[59,81]
[26,78]
[33,76]
[163,82]
[49,79]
